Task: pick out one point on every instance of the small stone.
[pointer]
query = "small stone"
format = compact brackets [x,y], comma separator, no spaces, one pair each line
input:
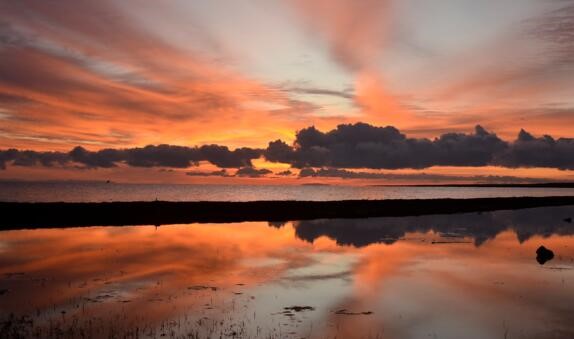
[543,255]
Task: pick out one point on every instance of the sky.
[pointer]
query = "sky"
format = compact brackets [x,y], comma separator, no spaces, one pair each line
[392,91]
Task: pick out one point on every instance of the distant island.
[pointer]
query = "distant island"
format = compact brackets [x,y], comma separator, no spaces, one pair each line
[541,185]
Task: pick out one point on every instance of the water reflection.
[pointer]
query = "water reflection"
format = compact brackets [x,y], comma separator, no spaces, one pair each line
[479,227]
[471,276]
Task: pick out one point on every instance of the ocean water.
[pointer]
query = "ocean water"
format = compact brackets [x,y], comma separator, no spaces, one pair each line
[443,276]
[98,192]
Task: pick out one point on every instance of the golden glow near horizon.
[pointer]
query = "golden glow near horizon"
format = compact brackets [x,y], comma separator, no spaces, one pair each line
[242,74]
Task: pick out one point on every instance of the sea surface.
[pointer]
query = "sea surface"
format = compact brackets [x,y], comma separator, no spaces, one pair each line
[99,192]
[444,276]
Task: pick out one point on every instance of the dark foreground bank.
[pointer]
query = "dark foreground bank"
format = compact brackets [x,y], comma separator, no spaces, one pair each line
[38,215]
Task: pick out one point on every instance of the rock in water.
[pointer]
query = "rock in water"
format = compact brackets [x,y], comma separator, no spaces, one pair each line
[543,255]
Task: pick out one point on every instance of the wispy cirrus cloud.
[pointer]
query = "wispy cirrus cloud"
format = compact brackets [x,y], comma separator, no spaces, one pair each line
[98,73]
[118,75]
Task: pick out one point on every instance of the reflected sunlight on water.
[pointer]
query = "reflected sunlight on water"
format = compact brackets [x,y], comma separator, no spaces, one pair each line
[457,276]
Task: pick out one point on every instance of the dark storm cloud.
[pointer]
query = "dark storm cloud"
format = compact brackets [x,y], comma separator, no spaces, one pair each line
[345,147]
[364,146]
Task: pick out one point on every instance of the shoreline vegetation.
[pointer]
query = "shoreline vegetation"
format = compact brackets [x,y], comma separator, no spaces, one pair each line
[15,215]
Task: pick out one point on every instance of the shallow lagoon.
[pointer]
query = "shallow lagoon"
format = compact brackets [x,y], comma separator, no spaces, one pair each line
[452,276]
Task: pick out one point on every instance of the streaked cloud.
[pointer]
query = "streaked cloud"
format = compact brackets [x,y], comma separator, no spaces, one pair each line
[113,77]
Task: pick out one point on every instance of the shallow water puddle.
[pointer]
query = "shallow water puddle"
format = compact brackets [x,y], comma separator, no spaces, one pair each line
[468,275]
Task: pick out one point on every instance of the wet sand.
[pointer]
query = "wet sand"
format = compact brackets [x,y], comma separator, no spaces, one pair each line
[43,215]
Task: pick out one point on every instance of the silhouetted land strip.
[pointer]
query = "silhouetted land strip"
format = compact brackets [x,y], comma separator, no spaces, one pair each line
[525,185]
[38,215]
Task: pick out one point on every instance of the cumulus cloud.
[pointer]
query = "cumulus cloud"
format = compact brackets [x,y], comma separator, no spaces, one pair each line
[365,146]
[252,172]
[221,156]
[351,146]
[104,158]
[148,156]
[31,158]
[545,151]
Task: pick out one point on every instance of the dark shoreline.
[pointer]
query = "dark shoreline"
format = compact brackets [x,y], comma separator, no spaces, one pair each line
[552,184]
[523,185]
[47,215]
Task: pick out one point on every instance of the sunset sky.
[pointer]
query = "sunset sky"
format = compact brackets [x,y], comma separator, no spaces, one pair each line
[456,81]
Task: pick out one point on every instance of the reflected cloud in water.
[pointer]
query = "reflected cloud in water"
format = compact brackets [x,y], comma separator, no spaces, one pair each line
[446,276]
[479,227]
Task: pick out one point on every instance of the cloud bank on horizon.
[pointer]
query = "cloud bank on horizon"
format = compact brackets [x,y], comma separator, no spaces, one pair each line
[115,76]
[350,146]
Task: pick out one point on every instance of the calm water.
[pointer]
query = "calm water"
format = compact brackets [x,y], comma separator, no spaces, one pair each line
[458,276]
[90,192]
